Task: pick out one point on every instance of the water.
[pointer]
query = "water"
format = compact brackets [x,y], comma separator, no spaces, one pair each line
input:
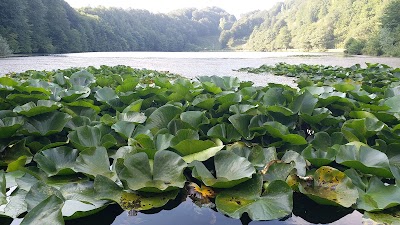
[190,64]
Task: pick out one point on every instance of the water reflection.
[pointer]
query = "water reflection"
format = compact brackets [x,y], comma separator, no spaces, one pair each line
[183,213]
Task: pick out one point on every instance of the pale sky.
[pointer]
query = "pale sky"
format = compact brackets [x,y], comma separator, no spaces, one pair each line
[236,7]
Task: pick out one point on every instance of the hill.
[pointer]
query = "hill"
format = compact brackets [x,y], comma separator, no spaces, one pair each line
[52,26]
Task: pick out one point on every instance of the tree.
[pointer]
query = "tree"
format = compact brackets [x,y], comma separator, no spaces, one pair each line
[4,48]
[283,39]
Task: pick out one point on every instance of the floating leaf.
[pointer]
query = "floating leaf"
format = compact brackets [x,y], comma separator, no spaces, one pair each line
[274,203]
[88,136]
[82,78]
[108,190]
[32,109]
[93,161]
[46,124]
[57,161]
[225,132]
[330,187]
[199,150]
[361,129]
[48,212]
[379,196]
[9,126]
[230,170]
[160,118]
[278,130]
[139,173]
[3,195]
[194,118]
[364,159]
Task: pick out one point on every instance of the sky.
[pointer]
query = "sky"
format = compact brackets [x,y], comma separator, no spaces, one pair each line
[236,7]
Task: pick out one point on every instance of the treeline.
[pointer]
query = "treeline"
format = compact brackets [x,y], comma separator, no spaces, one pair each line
[52,26]
[362,26]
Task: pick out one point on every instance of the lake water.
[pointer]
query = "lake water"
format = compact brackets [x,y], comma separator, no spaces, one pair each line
[190,64]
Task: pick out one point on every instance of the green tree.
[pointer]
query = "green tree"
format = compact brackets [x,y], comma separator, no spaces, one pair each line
[4,48]
[283,39]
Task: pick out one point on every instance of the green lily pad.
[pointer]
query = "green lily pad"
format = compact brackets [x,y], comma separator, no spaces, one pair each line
[230,170]
[14,152]
[137,172]
[42,106]
[82,78]
[57,161]
[16,204]
[93,162]
[3,195]
[276,201]
[75,93]
[278,130]
[48,212]
[364,159]
[225,132]
[319,157]
[161,117]
[361,129]
[257,155]
[124,128]
[199,150]
[379,196]
[195,118]
[9,126]
[89,136]
[390,216]
[304,103]
[108,190]
[45,124]
[330,187]
[39,192]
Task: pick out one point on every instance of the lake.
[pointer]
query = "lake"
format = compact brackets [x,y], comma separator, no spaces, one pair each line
[190,64]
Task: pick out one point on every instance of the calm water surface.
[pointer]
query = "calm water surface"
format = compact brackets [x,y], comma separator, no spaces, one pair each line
[191,65]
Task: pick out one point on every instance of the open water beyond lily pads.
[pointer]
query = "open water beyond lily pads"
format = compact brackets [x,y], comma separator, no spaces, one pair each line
[192,64]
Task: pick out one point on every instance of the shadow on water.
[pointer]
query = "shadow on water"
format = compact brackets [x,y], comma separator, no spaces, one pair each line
[183,212]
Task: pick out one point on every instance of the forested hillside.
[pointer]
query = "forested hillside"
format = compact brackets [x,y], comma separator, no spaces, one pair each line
[361,26]
[52,26]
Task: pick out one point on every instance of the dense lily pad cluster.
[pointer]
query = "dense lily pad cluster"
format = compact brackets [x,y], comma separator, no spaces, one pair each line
[74,141]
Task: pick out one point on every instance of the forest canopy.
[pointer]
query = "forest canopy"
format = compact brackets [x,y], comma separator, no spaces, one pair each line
[52,26]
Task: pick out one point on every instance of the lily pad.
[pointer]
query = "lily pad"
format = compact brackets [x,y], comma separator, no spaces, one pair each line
[89,136]
[108,190]
[93,162]
[276,201]
[57,161]
[364,159]
[46,124]
[199,150]
[330,186]
[230,170]
[42,106]
[137,172]
[278,130]
[161,117]
[379,196]
[48,212]
[10,125]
